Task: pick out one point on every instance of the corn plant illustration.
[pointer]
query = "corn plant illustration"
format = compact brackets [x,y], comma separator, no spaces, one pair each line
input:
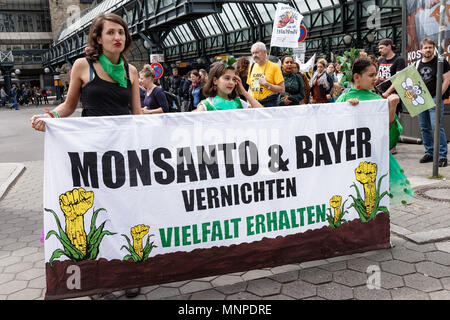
[137,252]
[335,219]
[368,207]
[77,245]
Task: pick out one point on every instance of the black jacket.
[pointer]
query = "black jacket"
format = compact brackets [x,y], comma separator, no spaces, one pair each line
[174,86]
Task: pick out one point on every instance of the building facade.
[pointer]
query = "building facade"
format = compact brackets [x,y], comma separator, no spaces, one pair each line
[27,30]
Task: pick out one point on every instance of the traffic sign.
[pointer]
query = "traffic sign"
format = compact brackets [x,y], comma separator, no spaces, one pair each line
[158,68]
[303,33]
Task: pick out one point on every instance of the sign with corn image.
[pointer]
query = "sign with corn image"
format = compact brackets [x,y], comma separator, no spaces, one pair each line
[77,246]
[369,206]
[136,252]
[130,207]
[336,218]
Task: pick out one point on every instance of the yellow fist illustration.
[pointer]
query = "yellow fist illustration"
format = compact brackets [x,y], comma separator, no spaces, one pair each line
[75,204]
[335,203]
[366,173]
[138,233]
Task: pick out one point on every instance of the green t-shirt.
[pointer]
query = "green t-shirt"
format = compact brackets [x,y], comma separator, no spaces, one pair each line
[361,95]
[364,95]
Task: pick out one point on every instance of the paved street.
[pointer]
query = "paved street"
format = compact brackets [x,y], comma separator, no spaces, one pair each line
[416,267]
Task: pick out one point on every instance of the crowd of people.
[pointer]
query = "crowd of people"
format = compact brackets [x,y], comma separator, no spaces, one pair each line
[260,83]
[23,95]
[273,85]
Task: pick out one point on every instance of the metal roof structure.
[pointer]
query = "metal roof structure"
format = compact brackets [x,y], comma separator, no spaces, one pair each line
[189,29]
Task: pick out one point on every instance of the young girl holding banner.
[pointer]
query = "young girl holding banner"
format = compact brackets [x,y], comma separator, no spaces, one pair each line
[222,91]
[364,79]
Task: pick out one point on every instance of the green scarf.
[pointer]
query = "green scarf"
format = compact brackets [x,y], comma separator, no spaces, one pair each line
[115,71]
[218,103]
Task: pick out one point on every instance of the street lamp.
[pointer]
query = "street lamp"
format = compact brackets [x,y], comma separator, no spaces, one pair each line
[17,71]
[348,40]
[370,37]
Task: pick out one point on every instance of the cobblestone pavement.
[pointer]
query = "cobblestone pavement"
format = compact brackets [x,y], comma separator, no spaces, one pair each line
[405,271]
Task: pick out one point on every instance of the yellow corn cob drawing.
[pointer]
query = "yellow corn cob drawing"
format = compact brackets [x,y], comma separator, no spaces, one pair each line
[366,174]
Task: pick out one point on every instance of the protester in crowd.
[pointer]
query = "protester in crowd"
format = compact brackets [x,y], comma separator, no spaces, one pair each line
[184,91]
[107,84]
[195,91]
[175,85]
[388,65]
[166,83]
[265,78]
[338,88]
[44,95]
[203,75]
[13,96]
[142,89]
[364,79]
[321,83]
[331,69]
[362,54]
[427,68]
[3,97]
[155,100]
[38,95]
[339,74]
[293,83]
[295,68]
[31,95]
[174,82]
[22,96]
[306,88]
[373,59]
[242,67]
[223,89]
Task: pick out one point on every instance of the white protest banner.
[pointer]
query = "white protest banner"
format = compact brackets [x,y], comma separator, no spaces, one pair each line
[136,200]
[286,27]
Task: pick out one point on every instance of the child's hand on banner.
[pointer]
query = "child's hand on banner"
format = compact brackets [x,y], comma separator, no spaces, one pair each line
[353,102]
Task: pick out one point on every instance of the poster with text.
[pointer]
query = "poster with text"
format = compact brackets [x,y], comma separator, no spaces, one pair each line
[132,201]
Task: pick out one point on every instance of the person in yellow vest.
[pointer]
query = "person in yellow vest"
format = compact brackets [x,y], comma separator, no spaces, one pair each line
[265,78]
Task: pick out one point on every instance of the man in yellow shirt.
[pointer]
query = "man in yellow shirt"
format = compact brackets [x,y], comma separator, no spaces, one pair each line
[265,78]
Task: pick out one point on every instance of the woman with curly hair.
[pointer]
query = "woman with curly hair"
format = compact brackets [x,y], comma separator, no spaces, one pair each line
[106,84]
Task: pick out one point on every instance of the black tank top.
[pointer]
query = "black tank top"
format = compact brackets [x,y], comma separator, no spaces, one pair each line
[103,98]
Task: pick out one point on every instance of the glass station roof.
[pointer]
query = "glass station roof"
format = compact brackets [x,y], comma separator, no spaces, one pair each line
[233,18]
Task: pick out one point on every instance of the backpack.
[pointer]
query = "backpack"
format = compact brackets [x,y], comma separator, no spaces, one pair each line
[171,98]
